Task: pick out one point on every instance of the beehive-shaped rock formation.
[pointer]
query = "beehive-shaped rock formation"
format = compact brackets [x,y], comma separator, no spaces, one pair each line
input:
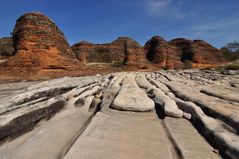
[160,52]
[198,52]
[39,44]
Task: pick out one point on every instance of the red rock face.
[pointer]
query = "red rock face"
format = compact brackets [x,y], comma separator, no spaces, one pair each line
[207,54]
[123,50]
[39,44]
[98,53]
[185,49]
[198,52]
[6,48]
[180,52]
[134,52]
[160,52]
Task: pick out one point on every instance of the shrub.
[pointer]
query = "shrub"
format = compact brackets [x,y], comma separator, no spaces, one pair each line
[117,64]
[143,67]
[188,64]
[234,66]
[166,67]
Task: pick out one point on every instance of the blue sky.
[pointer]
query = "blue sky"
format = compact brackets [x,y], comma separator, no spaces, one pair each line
[101,21]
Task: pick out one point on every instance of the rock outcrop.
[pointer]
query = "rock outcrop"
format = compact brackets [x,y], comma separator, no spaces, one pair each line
[185,49]
[206,53]
[198,52]
[98,53]
[160,52]
[39,44]
[6,48]
[121,51]
[182,52]
[134,52]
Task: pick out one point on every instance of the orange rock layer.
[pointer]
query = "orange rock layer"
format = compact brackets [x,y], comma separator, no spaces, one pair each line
[39,44]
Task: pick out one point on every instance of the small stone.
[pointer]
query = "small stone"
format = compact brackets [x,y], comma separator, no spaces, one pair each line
[187,115]
[216,151]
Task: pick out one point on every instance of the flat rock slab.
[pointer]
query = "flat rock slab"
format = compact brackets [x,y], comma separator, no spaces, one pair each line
[23,119]
[191,144]
[132,98]
[51,139]
[123,136]
[224,110]
[8,90]
[222,94]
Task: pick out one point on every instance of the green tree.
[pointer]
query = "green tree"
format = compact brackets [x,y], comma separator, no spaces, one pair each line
[233,47]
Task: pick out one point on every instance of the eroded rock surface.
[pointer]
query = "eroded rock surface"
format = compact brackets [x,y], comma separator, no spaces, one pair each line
[131,97]
[122,115]
[181,52]
[162,53]
[122,51]
[39,44]
[198,52]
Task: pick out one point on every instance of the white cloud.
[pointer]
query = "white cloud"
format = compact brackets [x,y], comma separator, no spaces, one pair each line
[214,30]
[216,27]
[217,24]
[157,6]
[162,8]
